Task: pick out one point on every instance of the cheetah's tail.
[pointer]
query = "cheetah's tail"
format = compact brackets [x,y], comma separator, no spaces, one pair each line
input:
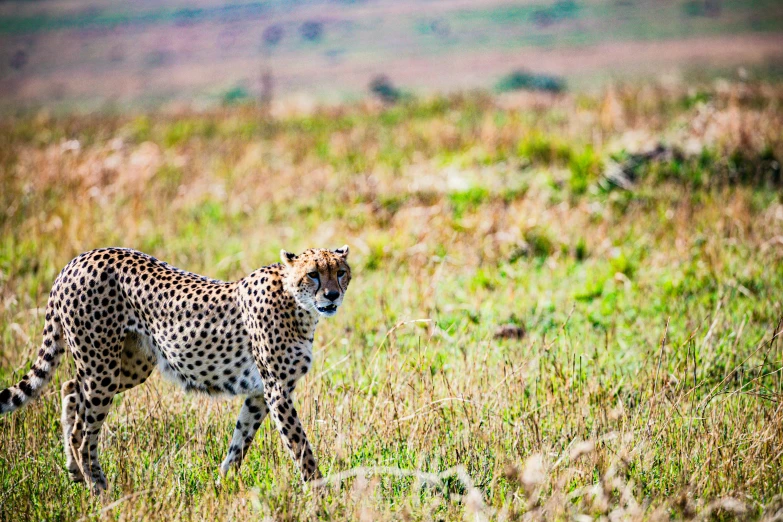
[40,374]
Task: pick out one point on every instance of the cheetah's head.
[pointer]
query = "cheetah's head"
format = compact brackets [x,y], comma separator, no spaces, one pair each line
[317,278]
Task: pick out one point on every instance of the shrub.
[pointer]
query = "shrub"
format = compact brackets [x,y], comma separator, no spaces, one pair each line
[273,34]
[527,81]
[382,87]
[235,95]
[311,30]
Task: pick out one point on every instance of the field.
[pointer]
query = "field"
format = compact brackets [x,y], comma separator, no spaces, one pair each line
[562,307]
[89,55]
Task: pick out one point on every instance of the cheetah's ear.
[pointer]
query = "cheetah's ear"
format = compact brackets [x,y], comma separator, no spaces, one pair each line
[343,251]
[288,258]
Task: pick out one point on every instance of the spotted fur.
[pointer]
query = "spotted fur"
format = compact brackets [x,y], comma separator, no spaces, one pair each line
[121,313]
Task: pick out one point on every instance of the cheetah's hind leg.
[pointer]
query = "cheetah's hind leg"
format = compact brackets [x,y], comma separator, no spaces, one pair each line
[120,366]
[70,402]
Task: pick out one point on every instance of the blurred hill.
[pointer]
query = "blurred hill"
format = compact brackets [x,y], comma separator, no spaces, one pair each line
[87,54]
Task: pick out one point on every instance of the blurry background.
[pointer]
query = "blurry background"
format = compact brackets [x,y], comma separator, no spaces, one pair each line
[89,54]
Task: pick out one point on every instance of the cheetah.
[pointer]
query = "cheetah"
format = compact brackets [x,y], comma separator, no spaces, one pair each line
[121,313]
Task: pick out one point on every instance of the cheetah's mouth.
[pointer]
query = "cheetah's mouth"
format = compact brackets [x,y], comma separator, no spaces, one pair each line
[328,309]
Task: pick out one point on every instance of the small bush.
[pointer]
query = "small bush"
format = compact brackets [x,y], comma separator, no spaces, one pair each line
[311,31]
[526,81]
[697,8]
[235,95]
[382,87]
[273,34]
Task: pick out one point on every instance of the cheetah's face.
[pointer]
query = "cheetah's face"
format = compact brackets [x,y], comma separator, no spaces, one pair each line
[318,278]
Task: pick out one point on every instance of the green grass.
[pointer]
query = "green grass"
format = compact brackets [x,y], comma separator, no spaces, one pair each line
[648,382]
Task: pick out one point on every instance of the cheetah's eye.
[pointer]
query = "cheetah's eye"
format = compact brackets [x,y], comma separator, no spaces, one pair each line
[340,273]
[313,275]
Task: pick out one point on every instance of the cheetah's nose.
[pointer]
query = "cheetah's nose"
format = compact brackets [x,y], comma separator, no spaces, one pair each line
[332,295]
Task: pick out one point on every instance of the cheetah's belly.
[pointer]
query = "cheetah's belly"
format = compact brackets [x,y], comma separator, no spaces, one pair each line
[232,372]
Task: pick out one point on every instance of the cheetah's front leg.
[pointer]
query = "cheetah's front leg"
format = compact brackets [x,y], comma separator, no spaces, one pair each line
[251,416]
[281,407]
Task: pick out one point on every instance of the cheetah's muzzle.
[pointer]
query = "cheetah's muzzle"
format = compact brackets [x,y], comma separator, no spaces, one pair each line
[328,309]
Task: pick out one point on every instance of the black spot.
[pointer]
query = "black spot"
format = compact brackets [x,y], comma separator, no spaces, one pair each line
[26,388]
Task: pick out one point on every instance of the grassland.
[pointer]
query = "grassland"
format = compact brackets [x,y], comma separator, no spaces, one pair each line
[635,237]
